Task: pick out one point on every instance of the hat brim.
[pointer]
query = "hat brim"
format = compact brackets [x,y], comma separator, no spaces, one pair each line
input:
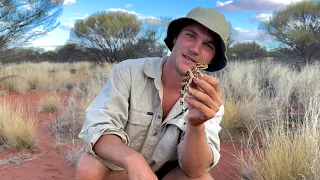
[218,62]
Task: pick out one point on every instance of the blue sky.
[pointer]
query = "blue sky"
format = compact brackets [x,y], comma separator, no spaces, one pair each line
[244,15]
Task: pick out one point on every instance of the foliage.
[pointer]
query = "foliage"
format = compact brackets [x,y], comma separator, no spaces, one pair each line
[297,29]
[25,20]
[115,36]
[249,50]
[230,41]
[146,46]
[107,32]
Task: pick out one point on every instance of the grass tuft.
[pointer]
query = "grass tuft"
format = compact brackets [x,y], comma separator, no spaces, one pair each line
[17,126]
[50,103]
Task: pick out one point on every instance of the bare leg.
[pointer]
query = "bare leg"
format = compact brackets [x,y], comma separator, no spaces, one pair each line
[178,174]
[90,167]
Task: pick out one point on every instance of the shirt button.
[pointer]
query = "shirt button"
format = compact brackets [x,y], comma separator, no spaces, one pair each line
[155,134]
[159,117]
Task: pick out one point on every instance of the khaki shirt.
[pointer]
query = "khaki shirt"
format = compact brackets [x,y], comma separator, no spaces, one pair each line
[130,106]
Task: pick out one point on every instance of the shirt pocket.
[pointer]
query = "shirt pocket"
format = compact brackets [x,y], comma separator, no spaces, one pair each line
[137,128]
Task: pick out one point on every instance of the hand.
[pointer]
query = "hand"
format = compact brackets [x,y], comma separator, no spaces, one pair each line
[140,170]
[205,100]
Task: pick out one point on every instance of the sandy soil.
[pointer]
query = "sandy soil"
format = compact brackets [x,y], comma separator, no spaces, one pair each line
[50,162]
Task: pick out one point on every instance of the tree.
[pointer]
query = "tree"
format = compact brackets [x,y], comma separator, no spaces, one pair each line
[105,33]
[115,36]
[50,56]
[71,53]
[230,41]
[24,20]
[297,29]
[146,46]
[249,50]
[16,55]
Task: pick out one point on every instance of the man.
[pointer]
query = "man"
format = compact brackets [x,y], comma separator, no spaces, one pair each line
[137,129]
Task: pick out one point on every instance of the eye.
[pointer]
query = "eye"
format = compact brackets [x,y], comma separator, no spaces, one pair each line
[208,45]
[191,35]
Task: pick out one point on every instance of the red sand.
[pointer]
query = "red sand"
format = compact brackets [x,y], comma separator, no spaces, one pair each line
[50,163]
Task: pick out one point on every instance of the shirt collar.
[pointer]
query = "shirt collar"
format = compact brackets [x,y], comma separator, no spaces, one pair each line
[153,68]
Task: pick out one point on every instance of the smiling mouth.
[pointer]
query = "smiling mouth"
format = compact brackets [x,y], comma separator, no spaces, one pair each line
[189,58]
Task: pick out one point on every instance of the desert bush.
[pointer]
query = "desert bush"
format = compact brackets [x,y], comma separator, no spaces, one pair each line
[238,121]
[50,103]
[17,126]
[44,76]
[14,83]
[286,154]
[68,125]
[74,153]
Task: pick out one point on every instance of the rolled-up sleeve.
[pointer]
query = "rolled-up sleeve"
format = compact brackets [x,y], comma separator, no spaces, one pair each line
[212,129]
[108,113]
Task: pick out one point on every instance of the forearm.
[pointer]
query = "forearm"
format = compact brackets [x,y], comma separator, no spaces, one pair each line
[111,147]
[196,154]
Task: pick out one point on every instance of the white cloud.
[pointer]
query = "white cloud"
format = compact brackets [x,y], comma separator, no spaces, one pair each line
[128,6]
[144,19]
[221,4]
[256,5]
[122,10]
[264,17]
[46,43]
[67,26]
[244,35]
[80,16]
[69,2]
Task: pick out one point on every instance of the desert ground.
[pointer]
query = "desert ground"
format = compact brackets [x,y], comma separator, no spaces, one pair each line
[269,130]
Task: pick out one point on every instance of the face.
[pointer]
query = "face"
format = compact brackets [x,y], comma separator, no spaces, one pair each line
[194,44]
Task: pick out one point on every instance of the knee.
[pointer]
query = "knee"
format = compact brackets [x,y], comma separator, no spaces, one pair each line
[207,176]
[90,167]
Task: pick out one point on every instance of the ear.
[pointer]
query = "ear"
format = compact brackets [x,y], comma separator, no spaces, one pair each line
[174,40]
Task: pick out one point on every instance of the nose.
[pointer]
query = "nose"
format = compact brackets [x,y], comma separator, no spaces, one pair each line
[195,47]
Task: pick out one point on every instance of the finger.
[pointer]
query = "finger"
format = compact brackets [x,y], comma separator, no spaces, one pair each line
[202,97]
[209,89]
[206,112]
[213,82]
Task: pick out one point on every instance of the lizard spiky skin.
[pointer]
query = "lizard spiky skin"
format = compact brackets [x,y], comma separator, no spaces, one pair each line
[195,71]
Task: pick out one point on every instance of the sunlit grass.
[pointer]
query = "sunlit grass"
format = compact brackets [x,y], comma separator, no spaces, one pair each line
[17,126]
[287,153]
[260,98]
[43,76]
[50,103]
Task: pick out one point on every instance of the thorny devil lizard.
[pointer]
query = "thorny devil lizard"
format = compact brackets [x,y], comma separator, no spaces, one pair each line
[195,71]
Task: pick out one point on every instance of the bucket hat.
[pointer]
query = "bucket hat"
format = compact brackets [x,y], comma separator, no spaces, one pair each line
[214,21]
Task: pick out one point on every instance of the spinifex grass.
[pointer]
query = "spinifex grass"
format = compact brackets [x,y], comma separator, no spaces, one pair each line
[287,153]
[50,103]
[17,126]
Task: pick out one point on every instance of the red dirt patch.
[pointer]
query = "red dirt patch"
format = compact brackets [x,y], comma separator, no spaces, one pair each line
[50,163]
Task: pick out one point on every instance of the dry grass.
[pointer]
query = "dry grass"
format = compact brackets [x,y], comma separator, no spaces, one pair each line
[289,152]
[50,103]
[276,100]
[17,126]
[15,159]
[286,154]
[2,93]
[14,83]
[74,153]
[68,125]
[259,97]
[44,76]
[238,121]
